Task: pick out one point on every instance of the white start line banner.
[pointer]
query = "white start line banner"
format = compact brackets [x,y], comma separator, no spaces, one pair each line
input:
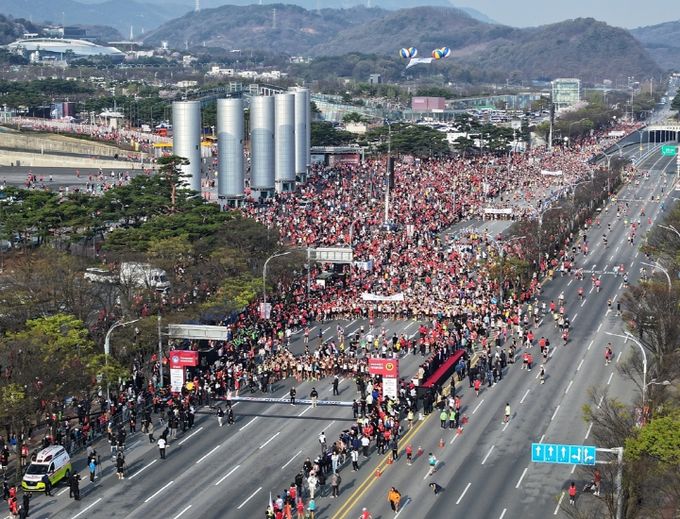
[551,173]
[375,297]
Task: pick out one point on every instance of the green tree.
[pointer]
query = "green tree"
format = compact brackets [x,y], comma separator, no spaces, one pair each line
[325,134]
[353,117]
[171,172]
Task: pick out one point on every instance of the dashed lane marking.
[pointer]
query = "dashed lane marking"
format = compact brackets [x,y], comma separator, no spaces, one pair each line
[248,499]
[227,475]
[519,481]
[86,508]
[463,494]
[158,491]
[191,435]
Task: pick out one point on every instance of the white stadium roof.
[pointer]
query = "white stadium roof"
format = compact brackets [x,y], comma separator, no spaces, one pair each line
[80,48]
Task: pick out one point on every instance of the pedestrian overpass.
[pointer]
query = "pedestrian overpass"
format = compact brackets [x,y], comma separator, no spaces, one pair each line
[664,132]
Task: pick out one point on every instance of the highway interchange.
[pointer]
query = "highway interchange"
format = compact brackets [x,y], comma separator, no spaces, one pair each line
[213,472]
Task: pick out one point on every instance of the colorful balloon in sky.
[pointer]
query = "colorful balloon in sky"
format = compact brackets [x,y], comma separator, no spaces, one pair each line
[407,53]
[437,54]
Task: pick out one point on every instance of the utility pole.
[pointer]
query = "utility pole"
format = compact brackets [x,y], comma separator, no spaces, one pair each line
[552,122]
[160,352]
[387,177]
[618,484]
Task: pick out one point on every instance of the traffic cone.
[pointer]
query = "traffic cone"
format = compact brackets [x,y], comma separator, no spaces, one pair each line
[378,472]
[460,430]
[441,443]
[419,452]
[389,460]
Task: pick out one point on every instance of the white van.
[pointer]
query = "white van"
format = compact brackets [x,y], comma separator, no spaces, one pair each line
[53,461]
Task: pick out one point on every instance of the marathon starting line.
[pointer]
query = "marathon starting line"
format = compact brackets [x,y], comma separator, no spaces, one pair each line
[267,400]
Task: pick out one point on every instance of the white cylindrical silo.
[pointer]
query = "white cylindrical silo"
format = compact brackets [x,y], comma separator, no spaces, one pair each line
[186,139]
[262,143]
[284,142]
[230,148]
[301,123]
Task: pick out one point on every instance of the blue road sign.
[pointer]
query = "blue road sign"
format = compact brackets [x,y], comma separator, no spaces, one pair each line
[563,454]
[537,452]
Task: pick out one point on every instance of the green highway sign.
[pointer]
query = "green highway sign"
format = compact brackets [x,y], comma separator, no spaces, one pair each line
[669,150]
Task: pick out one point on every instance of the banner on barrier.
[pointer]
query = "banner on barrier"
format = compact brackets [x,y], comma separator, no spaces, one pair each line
[385,367]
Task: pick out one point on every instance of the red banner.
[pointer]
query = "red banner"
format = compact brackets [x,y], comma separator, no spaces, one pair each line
[385,367]
[183,358]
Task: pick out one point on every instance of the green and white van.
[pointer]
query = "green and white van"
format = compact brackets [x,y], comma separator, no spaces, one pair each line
[53,461]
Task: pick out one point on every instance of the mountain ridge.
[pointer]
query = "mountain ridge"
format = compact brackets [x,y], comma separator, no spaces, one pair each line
[583,47]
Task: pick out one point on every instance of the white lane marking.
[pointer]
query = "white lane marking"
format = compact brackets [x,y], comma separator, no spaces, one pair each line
[618,357]
[142,469]
[580,364]
[598,328]
[591,342]
[324,429]
[246,425]
[574,318]
[583,303]
[620,287]
[269,440]
[180,514]
[488,454]
[463,494]
[559,503]
[570,282]
[204,457]
[306,409]
[636,254]
[573,469]
[453,439]
[324,331]
[408,500]
[519,482]
[555,413]
[192,434]
[588,431]
[614,298]
[503,513]
[610,378]
[569,386]
[58,493]
[86,509]
[291,460]
[248,499]
[591,289]
[525,395]
[505,426]
[227,475]
[158,491]
[542,438]
[478,406]
[600,402]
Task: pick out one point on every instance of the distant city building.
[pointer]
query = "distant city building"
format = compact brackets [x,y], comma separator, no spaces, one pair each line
[427,104]
[374,79]
[61,48]
[566,92]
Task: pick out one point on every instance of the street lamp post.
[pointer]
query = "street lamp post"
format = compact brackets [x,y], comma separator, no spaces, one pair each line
[264,273]
[656,265]
[107,351]
[644,361]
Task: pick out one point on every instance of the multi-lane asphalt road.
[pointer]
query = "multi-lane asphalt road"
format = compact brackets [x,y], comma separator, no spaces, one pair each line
[485,471]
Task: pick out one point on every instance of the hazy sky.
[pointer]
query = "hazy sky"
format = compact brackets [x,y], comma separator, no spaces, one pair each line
[622,13]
